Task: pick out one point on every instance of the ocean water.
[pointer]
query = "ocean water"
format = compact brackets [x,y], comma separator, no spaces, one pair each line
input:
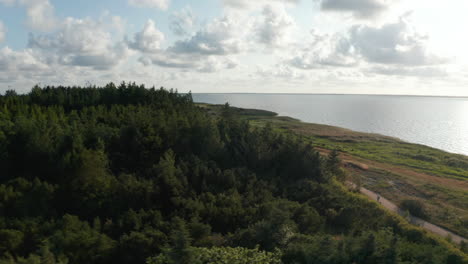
[439,122]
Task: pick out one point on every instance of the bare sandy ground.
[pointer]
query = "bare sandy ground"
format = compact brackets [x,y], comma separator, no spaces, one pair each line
[414,220]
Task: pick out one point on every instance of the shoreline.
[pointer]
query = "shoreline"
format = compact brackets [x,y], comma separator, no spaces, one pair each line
[343,94]
[394,168]
[340,127]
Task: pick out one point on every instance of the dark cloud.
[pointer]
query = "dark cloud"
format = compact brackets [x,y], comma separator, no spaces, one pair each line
[189,62]
[173,61]
[359,8]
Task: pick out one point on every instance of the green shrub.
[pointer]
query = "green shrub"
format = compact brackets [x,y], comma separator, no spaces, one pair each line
[414,207]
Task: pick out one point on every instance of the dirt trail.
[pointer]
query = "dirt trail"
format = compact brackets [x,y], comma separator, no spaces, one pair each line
[413,220]
[365,164]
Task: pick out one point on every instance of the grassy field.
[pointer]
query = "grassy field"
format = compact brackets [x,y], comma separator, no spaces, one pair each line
[396,169]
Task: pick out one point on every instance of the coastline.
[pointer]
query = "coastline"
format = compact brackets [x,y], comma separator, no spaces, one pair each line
[396,169]
[434,122]
[347,94]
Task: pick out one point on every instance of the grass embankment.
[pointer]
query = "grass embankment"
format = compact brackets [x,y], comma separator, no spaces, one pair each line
[396,169]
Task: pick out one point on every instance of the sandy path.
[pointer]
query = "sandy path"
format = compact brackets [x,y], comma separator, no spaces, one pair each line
[414,220]
[365,164]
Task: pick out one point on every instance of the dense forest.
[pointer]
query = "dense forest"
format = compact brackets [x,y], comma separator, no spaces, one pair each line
[126,174]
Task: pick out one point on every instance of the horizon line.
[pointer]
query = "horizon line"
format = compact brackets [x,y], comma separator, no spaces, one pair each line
[363,94]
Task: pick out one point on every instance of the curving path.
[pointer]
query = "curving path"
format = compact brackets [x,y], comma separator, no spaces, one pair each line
[414,220]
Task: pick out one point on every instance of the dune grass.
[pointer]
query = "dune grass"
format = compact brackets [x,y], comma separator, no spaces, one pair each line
[396,169]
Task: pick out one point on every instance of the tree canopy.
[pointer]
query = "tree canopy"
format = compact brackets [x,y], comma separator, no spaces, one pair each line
[126,174]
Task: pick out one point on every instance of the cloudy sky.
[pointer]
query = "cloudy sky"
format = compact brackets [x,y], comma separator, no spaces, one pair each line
[261,46]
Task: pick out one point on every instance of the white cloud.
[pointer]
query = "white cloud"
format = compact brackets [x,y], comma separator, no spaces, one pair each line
[235,33]
[324,51]
[80,42]
[189,62]
[209,50]
[53,57]
[149,39]
[390,49]
[182,22]
[40,13]
[169,60]
[158,4]
[220,37]
[2,32]
[279,71]
[359,8]
[215,64]
[275,27]
[18,64]
[116,25]
[394,43]
[17,61]
[8,2]
[246,33]
[429,72]
[245,4]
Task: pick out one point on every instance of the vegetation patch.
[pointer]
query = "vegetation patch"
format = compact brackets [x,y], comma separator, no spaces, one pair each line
[125,174]
[398,170]
[414,207]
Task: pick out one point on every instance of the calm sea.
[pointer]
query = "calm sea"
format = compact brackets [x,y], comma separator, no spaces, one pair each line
[439,122]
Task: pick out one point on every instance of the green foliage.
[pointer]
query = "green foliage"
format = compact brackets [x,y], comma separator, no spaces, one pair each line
[308,219]
[79,242]
[125,174]
[414,207]
[333,165]
[42,256]
[10,241]
[229,255]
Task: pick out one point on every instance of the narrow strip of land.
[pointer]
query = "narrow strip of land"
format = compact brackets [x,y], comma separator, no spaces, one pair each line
[414,220]
[361,167]
[364,164]
[398,170]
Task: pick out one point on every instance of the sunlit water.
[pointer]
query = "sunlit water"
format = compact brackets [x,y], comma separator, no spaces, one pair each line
[438,122]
